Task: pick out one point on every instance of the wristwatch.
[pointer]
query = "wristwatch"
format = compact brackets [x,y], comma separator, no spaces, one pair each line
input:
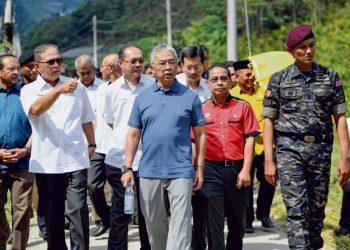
[29,150]
[92,145]
[126,169]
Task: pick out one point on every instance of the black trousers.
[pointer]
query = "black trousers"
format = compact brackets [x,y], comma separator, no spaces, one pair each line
[58,188]
[118,233]
[265,194]
[199,232]
[40,211]
[96,183]
[345,209]
[144,241]
[222,197]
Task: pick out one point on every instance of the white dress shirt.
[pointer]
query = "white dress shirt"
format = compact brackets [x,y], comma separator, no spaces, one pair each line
[119,102]
[92,92]
[57,134]
[103,132]
[202,91]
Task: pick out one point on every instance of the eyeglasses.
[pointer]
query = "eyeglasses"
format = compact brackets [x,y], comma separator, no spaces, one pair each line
[217,79]
[134,61]
[52,62]
[163,64]
[195,68]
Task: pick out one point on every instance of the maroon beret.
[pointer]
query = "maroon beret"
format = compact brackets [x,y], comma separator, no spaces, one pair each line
[298,34]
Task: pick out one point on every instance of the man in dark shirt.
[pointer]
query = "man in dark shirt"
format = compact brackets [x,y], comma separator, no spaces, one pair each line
[15,145]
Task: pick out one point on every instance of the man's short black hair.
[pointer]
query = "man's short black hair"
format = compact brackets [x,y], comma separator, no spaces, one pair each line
[192,51]
[2,57]
[121,53]
[218,65]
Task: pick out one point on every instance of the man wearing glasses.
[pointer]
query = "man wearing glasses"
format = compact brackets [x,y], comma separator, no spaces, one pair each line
[192,59]
[120,97]
[163,115]
[60,114]
[231,127]
[15,144]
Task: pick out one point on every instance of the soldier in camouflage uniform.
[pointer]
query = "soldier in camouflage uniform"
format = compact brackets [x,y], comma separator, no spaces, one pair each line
[298,104]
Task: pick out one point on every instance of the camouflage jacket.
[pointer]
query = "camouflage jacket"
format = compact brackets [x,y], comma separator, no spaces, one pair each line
[304,103]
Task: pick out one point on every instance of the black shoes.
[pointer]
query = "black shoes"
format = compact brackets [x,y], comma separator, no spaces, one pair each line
[249,228]
[43,234]
[342,231]
[99,230]
[266,222]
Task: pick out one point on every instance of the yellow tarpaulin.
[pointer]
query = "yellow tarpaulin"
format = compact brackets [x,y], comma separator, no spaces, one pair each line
[265,64]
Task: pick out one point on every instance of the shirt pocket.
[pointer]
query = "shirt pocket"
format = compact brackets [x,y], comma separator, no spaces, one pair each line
[323,90]
[290,95]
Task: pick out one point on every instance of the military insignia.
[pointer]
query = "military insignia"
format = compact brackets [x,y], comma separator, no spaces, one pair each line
[339,83]
[268,93]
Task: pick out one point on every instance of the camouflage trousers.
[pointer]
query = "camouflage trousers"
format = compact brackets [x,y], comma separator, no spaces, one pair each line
[304,171]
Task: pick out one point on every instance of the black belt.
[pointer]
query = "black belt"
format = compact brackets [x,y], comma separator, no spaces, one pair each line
[310,138]
[227,163]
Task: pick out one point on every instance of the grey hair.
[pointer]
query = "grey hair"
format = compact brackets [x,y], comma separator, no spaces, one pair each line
[162,48]
[42,49]
[84,61]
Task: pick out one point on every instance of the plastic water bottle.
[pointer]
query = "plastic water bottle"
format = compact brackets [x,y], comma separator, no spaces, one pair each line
[129,200]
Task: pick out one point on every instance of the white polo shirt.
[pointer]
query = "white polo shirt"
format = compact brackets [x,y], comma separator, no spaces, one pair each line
[119,102]
[57,134]
[92,92]
[202,91]
[103,132]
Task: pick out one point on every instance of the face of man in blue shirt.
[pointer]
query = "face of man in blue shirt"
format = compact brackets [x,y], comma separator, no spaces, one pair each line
[9,72]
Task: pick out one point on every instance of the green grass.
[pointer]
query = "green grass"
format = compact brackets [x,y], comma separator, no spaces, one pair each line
[333,207]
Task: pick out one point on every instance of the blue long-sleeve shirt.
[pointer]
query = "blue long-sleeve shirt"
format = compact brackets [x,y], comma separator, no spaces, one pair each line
[15,128]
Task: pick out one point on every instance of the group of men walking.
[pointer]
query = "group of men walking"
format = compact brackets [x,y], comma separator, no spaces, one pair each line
[190,143]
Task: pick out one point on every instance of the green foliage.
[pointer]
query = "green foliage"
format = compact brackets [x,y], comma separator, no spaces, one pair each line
[200,21]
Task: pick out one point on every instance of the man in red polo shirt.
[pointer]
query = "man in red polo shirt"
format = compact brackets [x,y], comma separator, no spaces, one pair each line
[231,128]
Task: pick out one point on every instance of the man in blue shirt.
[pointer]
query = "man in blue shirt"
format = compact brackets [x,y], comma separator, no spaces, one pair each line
[162,116]
[15,144]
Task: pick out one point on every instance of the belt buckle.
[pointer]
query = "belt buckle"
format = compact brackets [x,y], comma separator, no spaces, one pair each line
[229,163]
[309,138]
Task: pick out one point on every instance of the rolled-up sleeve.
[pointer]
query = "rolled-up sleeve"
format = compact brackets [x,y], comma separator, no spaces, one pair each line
[271,98]
[339,104]
[28,97]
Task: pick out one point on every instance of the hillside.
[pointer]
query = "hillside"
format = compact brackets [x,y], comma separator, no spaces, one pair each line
[201,21]
[29,13]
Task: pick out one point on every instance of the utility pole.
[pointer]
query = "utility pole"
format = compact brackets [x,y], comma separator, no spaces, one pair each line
[231,31]
[168,21]
[9,26]
[94,29]
[247,27]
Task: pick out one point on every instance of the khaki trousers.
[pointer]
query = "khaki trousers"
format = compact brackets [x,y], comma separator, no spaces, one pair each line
[20,184]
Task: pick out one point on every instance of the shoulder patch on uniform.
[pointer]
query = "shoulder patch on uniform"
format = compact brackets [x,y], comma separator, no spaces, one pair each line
[339,83]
